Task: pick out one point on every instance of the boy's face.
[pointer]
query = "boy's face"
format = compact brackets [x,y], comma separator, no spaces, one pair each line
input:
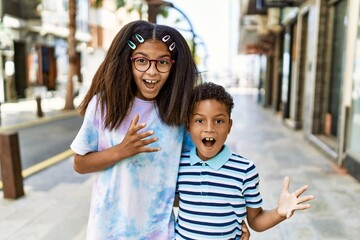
[209,127]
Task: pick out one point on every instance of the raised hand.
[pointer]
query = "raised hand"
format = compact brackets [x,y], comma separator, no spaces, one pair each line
[134,142]
[291,202]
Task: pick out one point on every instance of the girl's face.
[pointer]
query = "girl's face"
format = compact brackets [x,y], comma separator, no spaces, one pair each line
[209,127]
[150,81]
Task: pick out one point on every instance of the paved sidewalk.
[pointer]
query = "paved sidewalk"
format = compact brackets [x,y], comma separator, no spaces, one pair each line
[57,199]
[24,112]
[55,206]
[278,151]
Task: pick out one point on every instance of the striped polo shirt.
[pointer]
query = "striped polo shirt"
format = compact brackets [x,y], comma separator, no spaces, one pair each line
[214,195]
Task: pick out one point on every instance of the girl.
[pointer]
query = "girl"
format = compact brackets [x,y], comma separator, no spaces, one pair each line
[133,132]
[136,104]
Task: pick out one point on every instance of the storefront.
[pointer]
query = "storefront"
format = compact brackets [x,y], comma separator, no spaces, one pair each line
[325,88]
[352,159]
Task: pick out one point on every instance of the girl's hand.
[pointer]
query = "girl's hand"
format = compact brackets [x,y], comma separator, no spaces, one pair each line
[291,202]
[135,142]
[245,231]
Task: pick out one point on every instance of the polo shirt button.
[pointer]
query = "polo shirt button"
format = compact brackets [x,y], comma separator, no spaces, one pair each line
[204,164]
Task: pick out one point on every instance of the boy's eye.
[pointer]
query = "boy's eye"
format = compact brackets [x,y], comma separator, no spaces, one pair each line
[199,121]
[219,121]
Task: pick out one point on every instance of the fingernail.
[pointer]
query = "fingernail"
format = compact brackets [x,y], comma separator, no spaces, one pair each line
[151,131]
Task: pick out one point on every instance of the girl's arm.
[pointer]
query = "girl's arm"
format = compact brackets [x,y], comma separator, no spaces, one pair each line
[261,220]
[132,144]
[245,231]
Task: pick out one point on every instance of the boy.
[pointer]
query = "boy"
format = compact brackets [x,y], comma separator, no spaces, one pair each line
[217,188]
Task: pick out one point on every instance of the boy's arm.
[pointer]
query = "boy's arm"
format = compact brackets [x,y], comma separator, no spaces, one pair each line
[176,201]
[261,220]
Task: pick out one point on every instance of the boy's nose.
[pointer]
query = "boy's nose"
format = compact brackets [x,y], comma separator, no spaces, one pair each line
[209,127]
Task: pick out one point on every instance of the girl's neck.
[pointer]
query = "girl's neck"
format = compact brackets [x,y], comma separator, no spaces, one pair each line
[144,100]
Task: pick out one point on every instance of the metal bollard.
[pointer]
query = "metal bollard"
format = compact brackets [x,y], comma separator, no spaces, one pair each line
[38,105]
[11,165]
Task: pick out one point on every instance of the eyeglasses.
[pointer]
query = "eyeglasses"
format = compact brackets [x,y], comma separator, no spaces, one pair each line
[142,64]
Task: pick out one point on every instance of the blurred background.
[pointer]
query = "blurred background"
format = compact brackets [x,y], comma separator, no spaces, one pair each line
[300,56]
[296,61]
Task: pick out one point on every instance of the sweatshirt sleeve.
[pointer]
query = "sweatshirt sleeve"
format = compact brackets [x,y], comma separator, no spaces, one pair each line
[87,138]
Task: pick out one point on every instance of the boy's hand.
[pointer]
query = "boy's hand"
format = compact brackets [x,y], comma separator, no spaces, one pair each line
[291,202]
[134,142]
[245,231]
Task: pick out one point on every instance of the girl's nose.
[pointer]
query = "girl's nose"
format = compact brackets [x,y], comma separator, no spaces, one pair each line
[152,69]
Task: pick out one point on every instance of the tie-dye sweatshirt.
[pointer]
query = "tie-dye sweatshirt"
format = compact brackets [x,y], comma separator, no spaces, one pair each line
[134,198]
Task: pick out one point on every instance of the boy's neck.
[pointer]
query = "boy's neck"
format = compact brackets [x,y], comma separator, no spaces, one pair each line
[222,148]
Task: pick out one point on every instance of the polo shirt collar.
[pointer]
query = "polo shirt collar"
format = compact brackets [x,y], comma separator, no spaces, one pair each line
[216,162]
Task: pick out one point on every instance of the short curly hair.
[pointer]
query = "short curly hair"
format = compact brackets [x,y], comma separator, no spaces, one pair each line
[209,90]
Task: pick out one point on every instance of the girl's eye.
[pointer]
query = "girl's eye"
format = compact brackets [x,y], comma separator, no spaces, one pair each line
[163,61]
[199,121]
[141,60]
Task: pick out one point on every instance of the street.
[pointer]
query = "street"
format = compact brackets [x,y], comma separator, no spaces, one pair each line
[38,142]
[41,142]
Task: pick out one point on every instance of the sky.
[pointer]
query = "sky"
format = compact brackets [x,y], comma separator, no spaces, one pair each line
[215,22]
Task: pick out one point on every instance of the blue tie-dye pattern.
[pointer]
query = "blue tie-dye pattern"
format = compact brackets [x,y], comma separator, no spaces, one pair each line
[162,202]
[187,142]
[134,198]
[92,137]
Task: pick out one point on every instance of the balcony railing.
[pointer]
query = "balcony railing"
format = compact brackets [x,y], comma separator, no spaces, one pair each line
[263,4]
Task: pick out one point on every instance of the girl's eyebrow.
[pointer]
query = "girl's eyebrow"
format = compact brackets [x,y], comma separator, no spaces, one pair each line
[145,55]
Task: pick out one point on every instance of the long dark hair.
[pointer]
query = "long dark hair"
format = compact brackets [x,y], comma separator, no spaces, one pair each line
[114,85]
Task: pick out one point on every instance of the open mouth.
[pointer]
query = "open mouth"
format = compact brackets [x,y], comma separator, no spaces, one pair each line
[150,83]
[208,142]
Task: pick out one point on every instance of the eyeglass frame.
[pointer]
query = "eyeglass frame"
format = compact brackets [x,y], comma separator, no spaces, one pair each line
[133,59]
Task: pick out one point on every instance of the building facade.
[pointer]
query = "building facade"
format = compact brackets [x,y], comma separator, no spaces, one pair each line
[312,72]
[37,49]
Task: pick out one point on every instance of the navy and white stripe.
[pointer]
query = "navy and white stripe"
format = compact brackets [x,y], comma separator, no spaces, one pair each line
[213,197]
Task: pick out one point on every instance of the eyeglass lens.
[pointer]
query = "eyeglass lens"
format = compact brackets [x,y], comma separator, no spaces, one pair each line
[143,64]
